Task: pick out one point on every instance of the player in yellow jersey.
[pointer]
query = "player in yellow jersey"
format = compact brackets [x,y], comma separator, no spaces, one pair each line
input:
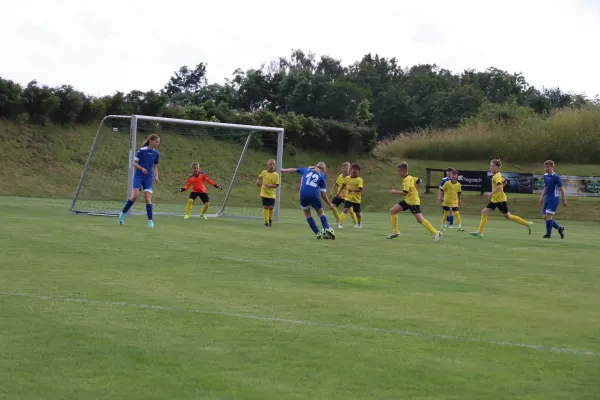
[452,198]
[412,202]
[498,200]
[353,185]
[268,181]
[339,195]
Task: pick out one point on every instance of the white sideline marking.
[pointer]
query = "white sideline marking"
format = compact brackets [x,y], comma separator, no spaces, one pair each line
[249,260]
[311,323]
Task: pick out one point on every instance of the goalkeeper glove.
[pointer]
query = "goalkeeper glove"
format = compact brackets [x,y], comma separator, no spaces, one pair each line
[180,190]
[219,187]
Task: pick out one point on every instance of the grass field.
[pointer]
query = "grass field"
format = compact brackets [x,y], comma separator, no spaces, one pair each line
[228,309]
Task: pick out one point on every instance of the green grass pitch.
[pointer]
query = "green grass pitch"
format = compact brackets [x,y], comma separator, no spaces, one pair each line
[229,309]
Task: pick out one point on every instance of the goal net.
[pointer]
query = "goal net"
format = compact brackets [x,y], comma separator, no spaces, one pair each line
[231,155]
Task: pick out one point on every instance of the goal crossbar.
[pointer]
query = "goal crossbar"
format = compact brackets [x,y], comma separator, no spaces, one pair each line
[134,121]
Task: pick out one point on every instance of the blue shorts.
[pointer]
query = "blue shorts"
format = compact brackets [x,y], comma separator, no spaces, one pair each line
[308,202]
[141,181]
[550,206]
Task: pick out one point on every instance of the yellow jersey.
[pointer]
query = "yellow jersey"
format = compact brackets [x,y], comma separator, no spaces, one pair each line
[451,191]
[353,183]
[499,196]
[268,178]
[339,182]
[409,186]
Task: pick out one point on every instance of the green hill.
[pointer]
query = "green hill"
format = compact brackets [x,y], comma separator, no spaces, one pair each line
[47,162]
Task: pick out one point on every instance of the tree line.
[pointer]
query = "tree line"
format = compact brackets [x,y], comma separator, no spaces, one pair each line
[317,101]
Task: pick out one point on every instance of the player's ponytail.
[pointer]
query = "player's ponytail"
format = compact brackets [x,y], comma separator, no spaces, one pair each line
[150,138]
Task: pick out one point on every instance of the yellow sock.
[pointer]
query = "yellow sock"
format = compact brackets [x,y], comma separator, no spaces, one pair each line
[444,218]
[457,216]
[343,217]
[429,227]
[204,208]
[395,223]
[518,220]
[336,214]
[353,216]
[266,215]
[271,212]
[482,223]
[188,206]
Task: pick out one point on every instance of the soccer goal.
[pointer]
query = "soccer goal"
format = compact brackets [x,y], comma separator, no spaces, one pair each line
[231,155]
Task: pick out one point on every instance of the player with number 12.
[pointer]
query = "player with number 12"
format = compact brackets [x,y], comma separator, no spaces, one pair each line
[313,189]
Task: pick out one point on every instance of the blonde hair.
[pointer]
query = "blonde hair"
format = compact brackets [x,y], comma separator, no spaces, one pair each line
[549,162]
[321,165]
[403,164]
[150,138]
[346,165]
[195,164]
[497,162]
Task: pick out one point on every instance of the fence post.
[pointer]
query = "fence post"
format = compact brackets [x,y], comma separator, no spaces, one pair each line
[427,180]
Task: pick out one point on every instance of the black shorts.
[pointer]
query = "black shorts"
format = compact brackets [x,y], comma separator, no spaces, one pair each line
[502,206]
[413,209]
[268,202]
[337,201]
[449,208]
[203,196]
[352,205]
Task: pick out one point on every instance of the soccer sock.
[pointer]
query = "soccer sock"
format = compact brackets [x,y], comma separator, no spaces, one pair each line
[555,224]
[358,218]
[266,215]
[312,224]
[482,223]
[444,218]
[336,213]
[343,217]
[457,215]
[128,205]
[149,211]
[353,216]
[518,220]
[271,212]
[205,207]
[324,221]
[548,227]
[450,219]
[395,223]
[188,207]
[429,227]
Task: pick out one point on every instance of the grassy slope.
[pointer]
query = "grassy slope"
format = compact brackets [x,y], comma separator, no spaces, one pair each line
[47,162]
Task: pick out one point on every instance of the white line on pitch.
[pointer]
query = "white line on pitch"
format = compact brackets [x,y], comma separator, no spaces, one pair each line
[311,323]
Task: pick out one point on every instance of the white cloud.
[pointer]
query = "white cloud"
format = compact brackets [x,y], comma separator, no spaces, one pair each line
[101,47]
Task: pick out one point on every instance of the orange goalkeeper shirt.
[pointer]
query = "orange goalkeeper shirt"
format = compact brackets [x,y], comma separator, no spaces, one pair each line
[197,183]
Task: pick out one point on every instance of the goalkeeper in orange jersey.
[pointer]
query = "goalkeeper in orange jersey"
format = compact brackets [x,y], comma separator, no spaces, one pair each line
[268,181]
[340,195]
[196,182]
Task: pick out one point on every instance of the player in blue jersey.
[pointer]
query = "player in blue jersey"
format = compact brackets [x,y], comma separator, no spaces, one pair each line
[450,217]
[550,199]
[313,188]
[146,170]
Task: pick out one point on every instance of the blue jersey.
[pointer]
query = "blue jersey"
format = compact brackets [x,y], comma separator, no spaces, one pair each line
[146,158]
[444,180]
[553,183]
[312,183]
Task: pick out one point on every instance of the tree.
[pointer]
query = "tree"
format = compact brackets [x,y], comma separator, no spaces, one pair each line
[363,113]
[186,80]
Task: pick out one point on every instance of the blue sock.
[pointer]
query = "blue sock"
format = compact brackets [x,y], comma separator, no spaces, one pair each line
[128,205]
[149,211]
[324,221]
[549,227]
[450,219]
[312,224]
[555,224]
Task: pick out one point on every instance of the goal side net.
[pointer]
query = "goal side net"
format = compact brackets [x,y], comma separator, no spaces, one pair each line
[231,155]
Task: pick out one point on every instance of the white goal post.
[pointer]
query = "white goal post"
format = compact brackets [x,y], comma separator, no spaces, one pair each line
[101,189]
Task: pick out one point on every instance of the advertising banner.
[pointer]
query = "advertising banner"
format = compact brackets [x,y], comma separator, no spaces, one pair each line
[472,181]
[574,185]
[517,182]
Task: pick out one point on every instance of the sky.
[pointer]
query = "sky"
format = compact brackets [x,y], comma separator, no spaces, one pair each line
[100,47]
